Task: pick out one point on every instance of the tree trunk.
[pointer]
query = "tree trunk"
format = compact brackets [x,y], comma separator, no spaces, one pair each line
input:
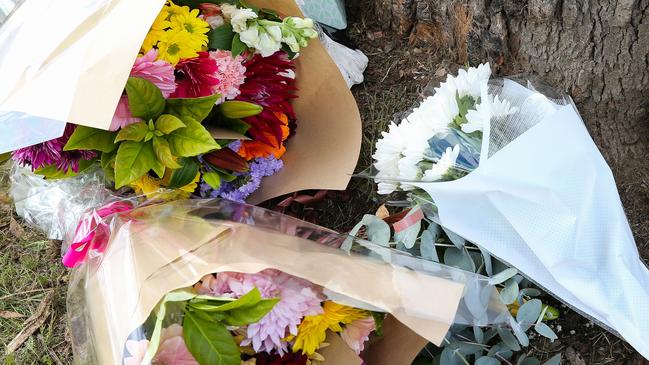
[597,51]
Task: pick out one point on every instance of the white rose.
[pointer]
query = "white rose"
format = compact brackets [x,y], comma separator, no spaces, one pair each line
[250,36]
[239,17]
[267,45]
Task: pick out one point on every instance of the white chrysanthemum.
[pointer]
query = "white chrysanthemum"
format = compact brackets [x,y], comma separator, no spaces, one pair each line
[446,162]
[389,151]
[490,107]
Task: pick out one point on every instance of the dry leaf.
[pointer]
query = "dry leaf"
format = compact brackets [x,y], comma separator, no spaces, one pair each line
[32,323]
[382,212]
[15,228]
[10,315]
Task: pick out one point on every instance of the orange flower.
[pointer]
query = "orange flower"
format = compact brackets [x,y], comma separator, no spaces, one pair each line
[253,149]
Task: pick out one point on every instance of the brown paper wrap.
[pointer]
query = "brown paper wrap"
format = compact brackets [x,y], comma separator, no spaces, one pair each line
[147,260]
[77,74]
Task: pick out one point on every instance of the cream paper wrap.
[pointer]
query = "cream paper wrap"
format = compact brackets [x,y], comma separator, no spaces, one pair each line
[148,258]
[75,71]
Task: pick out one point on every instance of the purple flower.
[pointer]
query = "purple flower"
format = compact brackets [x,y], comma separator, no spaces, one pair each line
[246,183]
[51,153]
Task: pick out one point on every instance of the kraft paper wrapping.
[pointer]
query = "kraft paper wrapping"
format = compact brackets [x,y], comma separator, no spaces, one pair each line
[147,260]
[75,72]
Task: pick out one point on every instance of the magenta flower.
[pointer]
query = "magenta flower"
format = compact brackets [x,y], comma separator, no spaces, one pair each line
[196,77]
[159,72]
[51,153]
[231,74]
[298,298]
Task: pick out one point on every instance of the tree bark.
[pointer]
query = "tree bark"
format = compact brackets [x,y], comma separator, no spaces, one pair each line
[597,51]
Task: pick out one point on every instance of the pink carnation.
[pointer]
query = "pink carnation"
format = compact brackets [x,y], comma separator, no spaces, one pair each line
[159,72]
[298,298]
[231,74]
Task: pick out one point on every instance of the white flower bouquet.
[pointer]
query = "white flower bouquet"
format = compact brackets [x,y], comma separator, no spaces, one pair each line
[515,171]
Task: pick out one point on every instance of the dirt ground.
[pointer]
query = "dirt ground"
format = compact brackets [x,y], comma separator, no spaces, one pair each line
[29,264]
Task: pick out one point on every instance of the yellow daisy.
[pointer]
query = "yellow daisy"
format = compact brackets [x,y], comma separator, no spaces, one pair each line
[154,188]
[313,330]
[157,31]
[192,24]
[173,9]
[176,46]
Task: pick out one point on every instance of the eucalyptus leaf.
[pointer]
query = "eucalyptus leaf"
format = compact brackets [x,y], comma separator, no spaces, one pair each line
[503,276]
[133,132]
[509,339]
[500,350]
[457,240]
[529,311]
[528,361]
[163,153]
[554,360]
[451,357]
[192,140]
[133,160]
[377,230]
[487,360]
[510,292]
[478,334]
[196,109]
[427,243]
[488,261]
[168,123]
[545,331]
[458,258]
[145,100]
[87,138]
[209,342]
[519,332]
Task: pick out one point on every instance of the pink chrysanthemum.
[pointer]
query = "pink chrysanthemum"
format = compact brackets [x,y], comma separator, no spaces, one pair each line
[51,153]
[196,77]
[159,72]
[298,298]
[358,332]
[231,74]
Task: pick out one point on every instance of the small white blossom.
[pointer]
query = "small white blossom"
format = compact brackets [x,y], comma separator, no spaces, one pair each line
[445,163]
[238,17]
[266,40]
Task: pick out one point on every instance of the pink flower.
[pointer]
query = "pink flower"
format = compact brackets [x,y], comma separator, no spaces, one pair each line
[298,298]
[358,332]
[196,77]
[172,350]
[159,72]
[137,351]
[211,13]
[231,74]
[92,233]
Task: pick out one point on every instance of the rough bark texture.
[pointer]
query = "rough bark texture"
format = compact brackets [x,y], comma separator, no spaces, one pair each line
[597,51]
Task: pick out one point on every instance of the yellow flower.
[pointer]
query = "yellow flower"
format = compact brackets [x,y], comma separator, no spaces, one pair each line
[172,9]
[313,329]
[157,31]
[155,188]
[176,46]
[196,27]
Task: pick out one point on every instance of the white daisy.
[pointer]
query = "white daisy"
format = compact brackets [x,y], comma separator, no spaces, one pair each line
[446,162]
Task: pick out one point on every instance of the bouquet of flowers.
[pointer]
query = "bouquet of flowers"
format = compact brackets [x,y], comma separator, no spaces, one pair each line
[217,282]
[513,170]
[200,73]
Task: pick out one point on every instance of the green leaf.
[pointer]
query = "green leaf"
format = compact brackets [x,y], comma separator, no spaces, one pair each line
[503,276]
[458,258]
[427,242]
[132,132]
[87,138]
[545,331]
[5,157]
[409,235]
[509,339]
[163,153]
[213,179]
[194,108]
[144,98]
[134,159]
[168,123]
[192,140]
[554,360]
[529,311]
[249,314]
[238,47]
[524,360]
[487,360]
[53,173]
[209,342]
[221,37]
[250,298]
[236,125]
[159,168]
[236,109]
[379,317]
[510,292]
[185,174]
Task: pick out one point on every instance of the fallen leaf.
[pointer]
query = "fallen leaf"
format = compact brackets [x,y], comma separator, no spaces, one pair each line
[382,212]
[32,324]
[10,315]
[574,357]
[15,228]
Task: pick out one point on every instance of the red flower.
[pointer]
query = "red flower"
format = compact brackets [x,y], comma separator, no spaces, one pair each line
[196,76]
[269,84]
[290,358]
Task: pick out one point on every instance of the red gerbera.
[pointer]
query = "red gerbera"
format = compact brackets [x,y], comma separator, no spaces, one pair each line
[196,77]
[290,358]
[269,83]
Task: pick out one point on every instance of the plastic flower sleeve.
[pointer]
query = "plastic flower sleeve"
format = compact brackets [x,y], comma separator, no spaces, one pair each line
[158,249]
[544,200]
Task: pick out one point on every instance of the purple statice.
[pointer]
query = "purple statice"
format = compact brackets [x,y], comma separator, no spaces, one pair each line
[51,153]
[246,183]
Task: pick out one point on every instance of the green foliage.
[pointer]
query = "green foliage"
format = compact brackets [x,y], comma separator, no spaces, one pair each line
[238,47]
[144,99]
[221,37]
[464,103]
[53,173]
[192,140]
[213,179]
[133,160]
[87,138]
[209,342]
[235,109]
[185,174]
[196,109]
